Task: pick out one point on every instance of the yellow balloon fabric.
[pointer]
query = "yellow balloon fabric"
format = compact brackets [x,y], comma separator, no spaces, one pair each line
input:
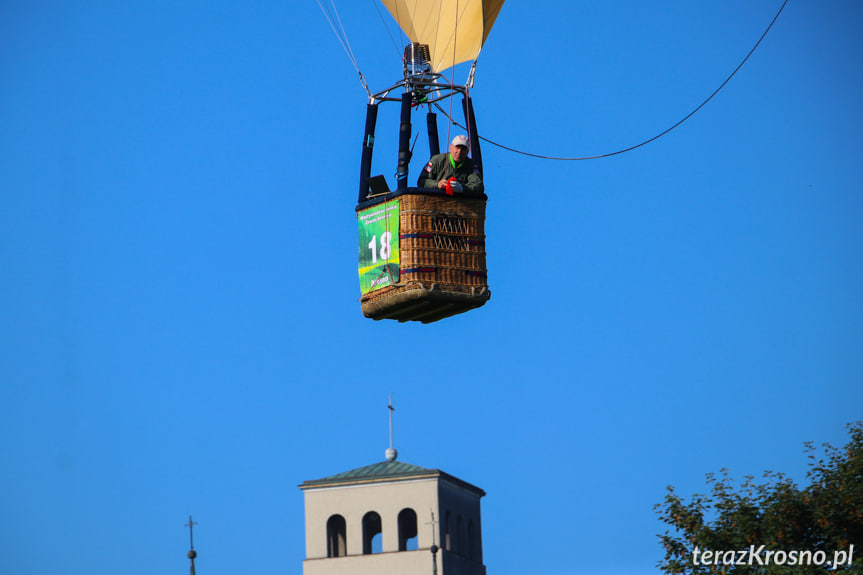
[455,30]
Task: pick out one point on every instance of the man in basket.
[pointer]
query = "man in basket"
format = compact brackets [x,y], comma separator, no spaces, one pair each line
[453,171]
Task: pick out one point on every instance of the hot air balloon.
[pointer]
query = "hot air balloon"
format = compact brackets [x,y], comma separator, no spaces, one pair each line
[422,251]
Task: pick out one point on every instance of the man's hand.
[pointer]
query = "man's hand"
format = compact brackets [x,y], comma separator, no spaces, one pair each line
[455,185]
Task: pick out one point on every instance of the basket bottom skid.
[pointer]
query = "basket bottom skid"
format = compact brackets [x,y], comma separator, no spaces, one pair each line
[418,303]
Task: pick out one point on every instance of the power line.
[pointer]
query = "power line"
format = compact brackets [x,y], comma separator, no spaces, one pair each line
[656,137]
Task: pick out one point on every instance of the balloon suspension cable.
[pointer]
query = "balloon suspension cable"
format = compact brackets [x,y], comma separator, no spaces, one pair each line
[470,75]
[335,22]
[454,46]
[365,85]
[386,27]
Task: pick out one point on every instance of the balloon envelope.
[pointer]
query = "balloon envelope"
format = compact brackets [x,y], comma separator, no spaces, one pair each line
[455,30]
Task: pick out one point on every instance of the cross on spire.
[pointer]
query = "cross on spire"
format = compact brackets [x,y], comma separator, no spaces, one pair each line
[391,452]
[433,524]
[191,525]
[192,553]
[434,547]
[392,409]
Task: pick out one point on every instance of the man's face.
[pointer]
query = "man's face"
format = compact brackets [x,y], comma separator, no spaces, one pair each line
[458,153]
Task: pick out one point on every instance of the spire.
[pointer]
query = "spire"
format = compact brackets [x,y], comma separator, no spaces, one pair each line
[391,452]
[192,553]
[434,548]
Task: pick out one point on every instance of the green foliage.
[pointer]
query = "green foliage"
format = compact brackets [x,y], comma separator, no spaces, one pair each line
[826,516]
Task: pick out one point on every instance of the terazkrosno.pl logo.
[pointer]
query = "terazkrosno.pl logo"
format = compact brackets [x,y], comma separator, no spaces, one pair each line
[761,556]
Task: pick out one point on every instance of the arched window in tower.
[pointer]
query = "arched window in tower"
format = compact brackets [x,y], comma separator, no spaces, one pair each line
[336,536]
[407,530]
[459,536]
[371,533]
[447,532]
[471,541]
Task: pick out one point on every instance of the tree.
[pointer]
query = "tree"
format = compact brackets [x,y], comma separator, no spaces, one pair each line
[772,527]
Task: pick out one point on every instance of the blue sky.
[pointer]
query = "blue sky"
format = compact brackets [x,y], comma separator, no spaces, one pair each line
[178,294]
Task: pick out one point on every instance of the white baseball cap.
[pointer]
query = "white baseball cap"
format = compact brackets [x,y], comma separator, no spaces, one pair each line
[461,141]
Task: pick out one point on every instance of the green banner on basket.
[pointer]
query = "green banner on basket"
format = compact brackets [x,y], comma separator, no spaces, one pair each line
[379,246]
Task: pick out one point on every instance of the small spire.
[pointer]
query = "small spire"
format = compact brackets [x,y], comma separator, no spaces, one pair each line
[391,452]
[433,524]
[434,548]
[192,553]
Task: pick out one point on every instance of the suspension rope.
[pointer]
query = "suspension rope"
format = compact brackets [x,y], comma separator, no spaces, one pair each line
[389,32]
[333,19]
[454,38]
[656,137]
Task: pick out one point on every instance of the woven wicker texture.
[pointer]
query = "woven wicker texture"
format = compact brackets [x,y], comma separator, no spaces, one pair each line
[442,241]
[442,247]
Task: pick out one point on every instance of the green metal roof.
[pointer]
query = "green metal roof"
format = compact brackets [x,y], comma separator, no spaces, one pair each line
[384,471]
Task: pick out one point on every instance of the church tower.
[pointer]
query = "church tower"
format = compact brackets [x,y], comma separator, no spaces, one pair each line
[392,518]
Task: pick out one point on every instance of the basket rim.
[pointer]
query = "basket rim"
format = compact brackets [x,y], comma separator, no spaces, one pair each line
[416,192]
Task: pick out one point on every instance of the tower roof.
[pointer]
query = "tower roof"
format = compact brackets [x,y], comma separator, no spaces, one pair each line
[386,471]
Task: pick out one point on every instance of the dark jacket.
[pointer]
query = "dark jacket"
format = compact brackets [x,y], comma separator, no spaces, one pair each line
[440,168]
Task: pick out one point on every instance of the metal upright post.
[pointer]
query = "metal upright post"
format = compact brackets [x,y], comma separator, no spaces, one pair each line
[434,139]
[404,142]
[368,146]
[470,118]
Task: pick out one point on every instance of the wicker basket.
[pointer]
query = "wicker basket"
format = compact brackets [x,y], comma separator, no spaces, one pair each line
[442,250]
